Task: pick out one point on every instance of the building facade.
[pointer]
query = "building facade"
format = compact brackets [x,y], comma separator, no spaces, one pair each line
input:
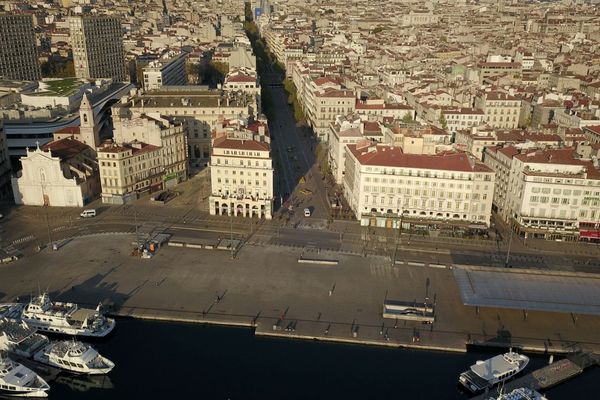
[386,187]
[18,52]
[241,171]
[501,110]
[199,109]
[549,193]
[97,42]
[166,72]
[164,132]
[129,170]
[64,173]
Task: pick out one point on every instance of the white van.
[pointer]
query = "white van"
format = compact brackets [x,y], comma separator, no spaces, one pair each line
[307,212]
[88,213]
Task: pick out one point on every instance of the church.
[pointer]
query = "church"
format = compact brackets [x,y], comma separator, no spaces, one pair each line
[63,172]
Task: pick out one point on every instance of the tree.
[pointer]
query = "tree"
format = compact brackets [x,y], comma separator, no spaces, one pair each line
[407,118]
[443,122]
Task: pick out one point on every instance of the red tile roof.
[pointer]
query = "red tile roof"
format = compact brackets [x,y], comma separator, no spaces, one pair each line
[65,148]
[72,130]
[236,144]
[387,156]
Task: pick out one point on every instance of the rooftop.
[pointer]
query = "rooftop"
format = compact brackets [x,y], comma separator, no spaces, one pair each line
[59,87]
[387,156]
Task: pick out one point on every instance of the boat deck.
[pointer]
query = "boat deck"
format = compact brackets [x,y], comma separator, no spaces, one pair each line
[81,314]
[543,378]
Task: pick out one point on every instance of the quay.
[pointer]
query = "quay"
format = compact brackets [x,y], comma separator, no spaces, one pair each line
[264,284]
[550,375]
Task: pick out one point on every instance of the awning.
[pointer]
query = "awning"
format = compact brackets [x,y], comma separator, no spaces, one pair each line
[589,234]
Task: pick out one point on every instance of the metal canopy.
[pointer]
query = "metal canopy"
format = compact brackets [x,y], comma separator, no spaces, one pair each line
[529,290]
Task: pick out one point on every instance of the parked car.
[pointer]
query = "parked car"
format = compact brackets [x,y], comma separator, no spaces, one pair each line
[88,213]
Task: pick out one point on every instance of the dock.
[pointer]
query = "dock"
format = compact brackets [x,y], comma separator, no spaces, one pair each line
[549,375]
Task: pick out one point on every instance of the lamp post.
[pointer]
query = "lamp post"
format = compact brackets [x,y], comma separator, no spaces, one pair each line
[45,205]
[398,237]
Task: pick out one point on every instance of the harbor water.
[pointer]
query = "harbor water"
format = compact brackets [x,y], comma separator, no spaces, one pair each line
[156,360]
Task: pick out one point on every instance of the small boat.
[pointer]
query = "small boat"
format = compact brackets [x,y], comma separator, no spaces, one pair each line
[485,374]
[18,380]
[66,318]
[75,357]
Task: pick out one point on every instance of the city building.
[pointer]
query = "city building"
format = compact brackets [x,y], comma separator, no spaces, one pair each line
[129,170]
[197,107]
[97,42]
[166,72]
[241,170]
[164,132]
[547,193]
[63,173]
[501,110]
[386,187]
[25,125]
[462,118]
[18,52]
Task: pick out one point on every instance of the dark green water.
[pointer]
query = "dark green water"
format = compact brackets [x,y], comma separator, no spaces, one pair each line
[180,361]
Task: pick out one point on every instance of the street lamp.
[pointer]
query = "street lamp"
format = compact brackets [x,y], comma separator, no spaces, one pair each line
[45,205]
[398,237]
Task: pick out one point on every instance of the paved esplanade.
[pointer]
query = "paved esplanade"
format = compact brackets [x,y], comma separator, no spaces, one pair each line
[529,290]
[266,284]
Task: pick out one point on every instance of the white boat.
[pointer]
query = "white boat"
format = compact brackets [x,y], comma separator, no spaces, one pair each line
[66,318]
[74,357]
[20,339]
[520,394]
[18,380]
[485,374]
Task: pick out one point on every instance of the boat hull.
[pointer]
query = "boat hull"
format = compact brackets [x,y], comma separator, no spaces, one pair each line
[71,331]
[24,393]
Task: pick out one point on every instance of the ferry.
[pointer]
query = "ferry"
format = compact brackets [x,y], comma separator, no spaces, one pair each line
[74,357]
[66,318]
[18,380]
[19,339]
[485,374]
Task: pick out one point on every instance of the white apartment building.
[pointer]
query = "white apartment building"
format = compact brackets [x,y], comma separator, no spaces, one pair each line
[199,109]
[166,72]
[243,79]
[419,18]
[462,118]
[550,194]
[378,107]
[501,110]
[342,133]
[241,171]
[328,105]
[129,170]
[414,138]
[97,42]
[383,186]
[164,132]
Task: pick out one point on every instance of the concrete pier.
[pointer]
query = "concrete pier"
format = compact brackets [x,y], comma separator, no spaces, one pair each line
[264,284]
